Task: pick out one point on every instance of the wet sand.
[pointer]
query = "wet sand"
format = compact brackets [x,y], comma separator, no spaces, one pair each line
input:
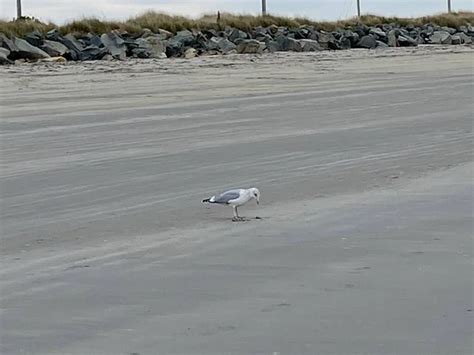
[364,160]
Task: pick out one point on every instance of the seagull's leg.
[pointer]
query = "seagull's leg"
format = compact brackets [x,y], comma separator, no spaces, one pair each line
[236,215]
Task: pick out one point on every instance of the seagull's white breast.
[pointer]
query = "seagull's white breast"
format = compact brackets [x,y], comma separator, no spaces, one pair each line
[245,196]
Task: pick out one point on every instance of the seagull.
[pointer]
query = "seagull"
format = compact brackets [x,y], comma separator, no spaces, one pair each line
[235,198]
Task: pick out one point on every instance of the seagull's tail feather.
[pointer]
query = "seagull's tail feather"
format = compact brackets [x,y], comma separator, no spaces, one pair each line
[208,200]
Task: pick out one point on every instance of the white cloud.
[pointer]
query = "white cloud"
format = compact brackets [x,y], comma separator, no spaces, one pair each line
[61,11]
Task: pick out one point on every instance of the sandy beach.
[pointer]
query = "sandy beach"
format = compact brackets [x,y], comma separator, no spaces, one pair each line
[364,243]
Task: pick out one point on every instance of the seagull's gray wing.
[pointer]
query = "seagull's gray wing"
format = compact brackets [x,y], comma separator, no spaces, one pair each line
[227,196]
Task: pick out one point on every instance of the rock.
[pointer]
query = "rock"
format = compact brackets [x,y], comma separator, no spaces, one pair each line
[222,45]
[164,33]
[353,37]
[250,46]
[450,30]
[345,43]
[95,40]
[420,40]
[115,45]
[407,41]
[309,45]
[237,35]
[7,43]
[272,46]
[378,33]
[4,53]
[281,44]
[53,35]
[177,44]
[367,41]
[381,44]
[141,53]
[392,38]
[456,39]
[58,59]
[149,47]
[259,32]
[75,47]
[27,51]
[272,29]
[53,48]
[34,38]
[301,33]
[327,40]
[440,37]
[294,45]
[362,30]
[190,53]
[93,53]
[465,39]
[184,38]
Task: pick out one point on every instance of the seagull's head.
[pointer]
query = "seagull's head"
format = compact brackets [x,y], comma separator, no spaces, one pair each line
[255,194]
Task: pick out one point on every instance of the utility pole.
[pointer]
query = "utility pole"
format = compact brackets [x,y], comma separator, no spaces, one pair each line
[18,9]
[358,8]
[264,7]
[449,5]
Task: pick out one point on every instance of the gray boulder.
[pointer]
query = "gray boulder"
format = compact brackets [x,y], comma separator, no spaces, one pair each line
[4,53]
[465,39]
[309,45]
[392,38]
[250,46]
[115,45]
[34,38]
[164,34]
[220,44]
[301,33]
[183,38]
[378,33]
[327,40]
[353,37]
[407,41]
[53,48]
[381,44]
[345,43]
[420,40]
[141,52]
[367,41]
[236,36]
[95,40]
[93,52]
[177,44]
[7,43]
[75,47]
[456,39]
[294,45]
[150,47]
[281,43]
[53,35]
[450,30]
[440,37]
[27,51]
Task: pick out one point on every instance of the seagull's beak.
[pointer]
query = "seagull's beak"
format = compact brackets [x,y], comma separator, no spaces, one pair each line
[258,202]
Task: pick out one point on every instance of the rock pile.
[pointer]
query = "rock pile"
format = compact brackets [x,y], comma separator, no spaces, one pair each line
[191,43]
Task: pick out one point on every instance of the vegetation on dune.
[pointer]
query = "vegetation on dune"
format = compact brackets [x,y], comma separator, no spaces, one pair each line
[154,21]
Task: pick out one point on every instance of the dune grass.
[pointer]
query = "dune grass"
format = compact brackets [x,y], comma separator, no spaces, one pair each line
[154,21]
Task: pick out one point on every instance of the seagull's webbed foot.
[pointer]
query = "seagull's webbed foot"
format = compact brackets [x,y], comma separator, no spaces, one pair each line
[239,219]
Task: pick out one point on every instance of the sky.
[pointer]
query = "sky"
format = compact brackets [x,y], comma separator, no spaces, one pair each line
[61,11]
